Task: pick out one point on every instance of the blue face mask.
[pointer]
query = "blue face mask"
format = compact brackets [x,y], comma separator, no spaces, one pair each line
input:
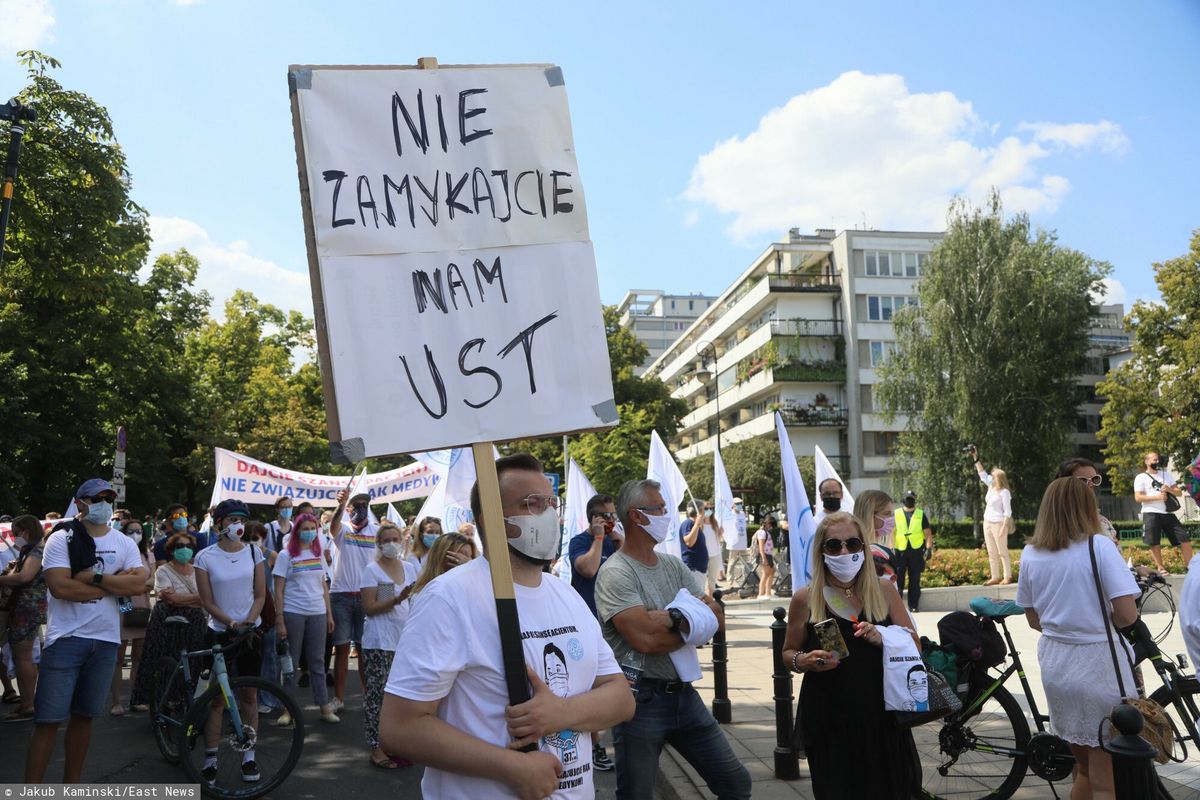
[307,536]
[98,513]
[179,524]
[285,513]
[428,539]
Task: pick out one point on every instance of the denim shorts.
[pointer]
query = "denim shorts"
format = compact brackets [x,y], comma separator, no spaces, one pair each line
[348,617]
[73,679]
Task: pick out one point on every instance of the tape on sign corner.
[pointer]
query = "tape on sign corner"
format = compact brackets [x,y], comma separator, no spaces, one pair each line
[554,76]
[347,451]
[606,411]
[301,78]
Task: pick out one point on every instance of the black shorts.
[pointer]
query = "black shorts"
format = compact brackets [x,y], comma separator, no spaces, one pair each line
[246,660]
[767,559]
[1155,526]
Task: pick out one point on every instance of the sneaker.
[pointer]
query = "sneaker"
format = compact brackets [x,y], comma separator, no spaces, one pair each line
[265,710]
[330,717]
[209,775]
[336,705]
[284,721]
[250,772]
[600,759]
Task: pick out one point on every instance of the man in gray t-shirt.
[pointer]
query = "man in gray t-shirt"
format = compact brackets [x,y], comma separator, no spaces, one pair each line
[633,589]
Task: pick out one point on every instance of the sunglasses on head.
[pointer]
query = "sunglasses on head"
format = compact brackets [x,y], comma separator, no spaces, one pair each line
[834,546]
[1094,480]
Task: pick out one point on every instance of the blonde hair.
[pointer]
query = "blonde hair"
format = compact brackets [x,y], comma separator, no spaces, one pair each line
[866,583]
[385,525]
[1000,479]
[1068,514]
[866,506]
[435,559]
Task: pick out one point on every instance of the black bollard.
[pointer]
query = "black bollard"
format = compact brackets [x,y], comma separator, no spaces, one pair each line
[1134,777]
[787,763]
[722,710]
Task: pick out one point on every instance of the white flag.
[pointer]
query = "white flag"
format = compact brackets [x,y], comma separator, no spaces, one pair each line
[825,471]
[450,500]
[662,468]
[575,521]
[723,500]
[394,516]
[801,525]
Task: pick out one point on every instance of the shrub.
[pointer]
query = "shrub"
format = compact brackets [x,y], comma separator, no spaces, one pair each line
[969,566]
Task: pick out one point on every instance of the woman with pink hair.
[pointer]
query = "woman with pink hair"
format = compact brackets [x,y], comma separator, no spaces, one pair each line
[304,617]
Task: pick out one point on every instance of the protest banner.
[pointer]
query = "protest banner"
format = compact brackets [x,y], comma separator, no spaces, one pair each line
[450,264]
[252,481]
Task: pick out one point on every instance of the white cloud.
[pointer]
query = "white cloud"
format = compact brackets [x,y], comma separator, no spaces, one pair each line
[1113,292]
[230,266]
[1104,136]
[865,146]
[25,24]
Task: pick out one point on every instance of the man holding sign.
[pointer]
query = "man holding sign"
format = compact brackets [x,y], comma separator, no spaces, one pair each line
[447,702]
[356,549]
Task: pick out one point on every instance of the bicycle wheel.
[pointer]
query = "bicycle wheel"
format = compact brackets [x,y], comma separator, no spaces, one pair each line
[980,757]
[168,705]
[275,750]
[1157,610]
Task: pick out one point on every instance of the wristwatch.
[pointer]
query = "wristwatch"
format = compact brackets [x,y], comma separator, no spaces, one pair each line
[97,577]
[676,619]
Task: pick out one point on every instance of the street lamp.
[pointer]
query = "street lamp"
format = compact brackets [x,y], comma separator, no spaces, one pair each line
[703,374]
[19,115]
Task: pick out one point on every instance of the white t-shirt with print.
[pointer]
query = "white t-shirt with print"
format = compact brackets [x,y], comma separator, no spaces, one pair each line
[98,619]
[304,582]
[382,631]
[231,576]
[450,651]
[1061,587]
[1142,484]
[356,549]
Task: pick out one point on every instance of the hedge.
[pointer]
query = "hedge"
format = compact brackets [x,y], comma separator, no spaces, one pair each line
[961,533]
[969,567]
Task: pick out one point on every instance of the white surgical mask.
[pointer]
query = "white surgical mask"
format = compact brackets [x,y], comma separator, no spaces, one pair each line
[135,536]
[390,549]
[98,513]
[658,526]
[234,531]
[845,566]
[540,535]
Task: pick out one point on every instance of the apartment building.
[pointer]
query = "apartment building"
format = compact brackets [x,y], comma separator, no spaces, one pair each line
[657,319]
[802,330]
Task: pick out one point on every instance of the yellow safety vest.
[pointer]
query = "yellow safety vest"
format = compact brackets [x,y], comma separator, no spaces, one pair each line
[909,532]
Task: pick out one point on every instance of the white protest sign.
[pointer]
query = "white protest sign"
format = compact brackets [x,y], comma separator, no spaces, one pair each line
[243,478]
[450,257]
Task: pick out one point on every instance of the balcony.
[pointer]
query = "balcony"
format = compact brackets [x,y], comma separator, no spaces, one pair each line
[811,372]
[814,416]
[805,282]
[819,328]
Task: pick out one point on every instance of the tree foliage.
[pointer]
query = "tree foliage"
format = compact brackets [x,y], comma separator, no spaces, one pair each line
[1152,401]
[753,469]
[990,356]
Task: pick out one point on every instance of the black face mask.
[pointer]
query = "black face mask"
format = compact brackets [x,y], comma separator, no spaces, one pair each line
[1154,465]
[831,503]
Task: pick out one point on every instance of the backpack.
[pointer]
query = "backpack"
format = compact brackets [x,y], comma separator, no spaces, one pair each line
[974,639]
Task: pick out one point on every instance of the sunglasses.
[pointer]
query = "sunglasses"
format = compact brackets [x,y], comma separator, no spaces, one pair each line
[609,515]
[1095,480]
[834,546]
[97,498]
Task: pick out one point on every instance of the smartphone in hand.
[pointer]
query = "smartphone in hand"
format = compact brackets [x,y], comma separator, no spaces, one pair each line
[829,637]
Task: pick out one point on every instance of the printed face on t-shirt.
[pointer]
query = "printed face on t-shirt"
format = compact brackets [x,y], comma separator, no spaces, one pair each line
[918,684]
[557,676]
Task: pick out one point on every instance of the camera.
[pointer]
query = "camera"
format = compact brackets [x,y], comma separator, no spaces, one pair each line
[969,449]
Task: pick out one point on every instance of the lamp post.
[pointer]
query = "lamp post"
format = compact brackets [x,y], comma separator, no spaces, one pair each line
[19,115]
[702,347]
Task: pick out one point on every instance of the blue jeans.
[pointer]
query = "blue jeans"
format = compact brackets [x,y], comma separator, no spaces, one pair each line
[73,679]
[270,668]
[682,721]
[348,617]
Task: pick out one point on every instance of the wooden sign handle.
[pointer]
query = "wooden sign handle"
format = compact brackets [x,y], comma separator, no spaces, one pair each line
[512,653]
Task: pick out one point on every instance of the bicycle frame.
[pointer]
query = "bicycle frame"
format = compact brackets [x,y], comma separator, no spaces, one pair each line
[220,677]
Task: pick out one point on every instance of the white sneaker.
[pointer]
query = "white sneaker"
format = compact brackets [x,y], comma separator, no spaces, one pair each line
[337,705]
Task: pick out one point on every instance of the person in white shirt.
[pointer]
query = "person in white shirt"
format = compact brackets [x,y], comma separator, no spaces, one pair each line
[232,582]
[303,615]
[997,520]
[279,527]
[1057,588]
[384,589]
[87,565]
[1152,488]
[356,548]
[447,702]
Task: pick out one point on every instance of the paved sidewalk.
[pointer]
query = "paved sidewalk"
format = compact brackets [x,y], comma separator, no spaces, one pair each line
[752,732]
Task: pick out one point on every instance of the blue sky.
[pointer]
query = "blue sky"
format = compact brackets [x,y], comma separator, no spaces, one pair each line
[702,134]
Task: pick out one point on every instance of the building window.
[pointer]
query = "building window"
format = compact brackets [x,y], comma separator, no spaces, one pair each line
[895,265]
[691,305]
[672,305]
[881,307]
[880,351]
[885,442]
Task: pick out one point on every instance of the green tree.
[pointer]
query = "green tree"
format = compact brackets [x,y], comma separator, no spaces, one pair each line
[68,285]
[1152,401]
[611,457]
[990,356]
[753,468]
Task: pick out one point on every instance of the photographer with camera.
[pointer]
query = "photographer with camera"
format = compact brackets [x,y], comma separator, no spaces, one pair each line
[998,520]
[1155,489]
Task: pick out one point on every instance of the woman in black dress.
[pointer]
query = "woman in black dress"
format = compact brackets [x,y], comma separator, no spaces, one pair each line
[854,748]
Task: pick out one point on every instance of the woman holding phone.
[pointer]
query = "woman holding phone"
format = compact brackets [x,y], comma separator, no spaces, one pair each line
[841,714]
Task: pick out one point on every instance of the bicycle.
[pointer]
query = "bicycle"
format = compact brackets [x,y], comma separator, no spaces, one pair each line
[983,751]
[1156,598]
[180,714]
